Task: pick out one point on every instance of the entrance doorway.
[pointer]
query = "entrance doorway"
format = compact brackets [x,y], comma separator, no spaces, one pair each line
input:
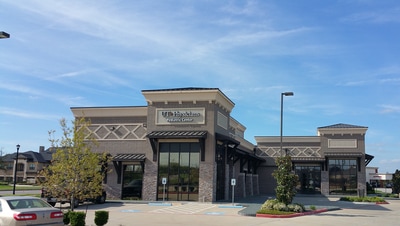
[132,181]
[309,178]
[179,164]
[220,158]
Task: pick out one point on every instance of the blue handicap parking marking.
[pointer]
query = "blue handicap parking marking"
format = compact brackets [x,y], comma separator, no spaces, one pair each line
[130,211]
[230,206]
[214,213]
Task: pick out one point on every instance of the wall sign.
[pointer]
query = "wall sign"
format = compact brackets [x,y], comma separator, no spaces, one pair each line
[180,116]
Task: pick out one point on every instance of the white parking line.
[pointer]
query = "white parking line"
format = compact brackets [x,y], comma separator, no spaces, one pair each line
[190,208]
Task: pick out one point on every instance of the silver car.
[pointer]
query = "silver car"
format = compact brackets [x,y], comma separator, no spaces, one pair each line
[26,210]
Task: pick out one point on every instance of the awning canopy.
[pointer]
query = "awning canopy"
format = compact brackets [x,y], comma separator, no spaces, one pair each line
[129,157]
[119,158]
[177,134]
[344,154]
[308,159]
[248,155]
[227,139]
[368,159]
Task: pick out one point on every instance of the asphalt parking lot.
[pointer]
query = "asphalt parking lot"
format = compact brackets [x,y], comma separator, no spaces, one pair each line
[193,213]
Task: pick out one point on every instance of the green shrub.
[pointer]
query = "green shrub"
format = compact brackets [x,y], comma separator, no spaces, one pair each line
[362,199]
[312,207]
[273,206]
[101,217]
[77,218]
[280,206]
[66,216]
[298,208]
[269,204]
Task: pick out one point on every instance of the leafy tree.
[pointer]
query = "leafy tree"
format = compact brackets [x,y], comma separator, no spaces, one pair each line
[396,182]
[286,180]
[75,171]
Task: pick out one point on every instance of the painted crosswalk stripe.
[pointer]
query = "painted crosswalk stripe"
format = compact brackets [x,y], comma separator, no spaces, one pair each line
[185,209]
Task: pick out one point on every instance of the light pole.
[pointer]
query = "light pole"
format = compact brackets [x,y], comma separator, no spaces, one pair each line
[4,34]
[283,94]
[15,169]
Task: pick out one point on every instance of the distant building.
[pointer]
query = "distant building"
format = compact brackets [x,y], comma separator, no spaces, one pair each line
[29,164]
[378,180]
[184,145]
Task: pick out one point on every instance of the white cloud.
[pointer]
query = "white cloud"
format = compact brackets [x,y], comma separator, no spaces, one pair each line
[388,15]
[20,88]
[387,109]
[247,8]
[27,114]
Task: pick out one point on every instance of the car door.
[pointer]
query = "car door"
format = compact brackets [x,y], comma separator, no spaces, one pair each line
[5,216]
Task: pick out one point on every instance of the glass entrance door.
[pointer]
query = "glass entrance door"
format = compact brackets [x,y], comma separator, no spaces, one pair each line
[220,158]
[132,181]
[179,164]
[309,179]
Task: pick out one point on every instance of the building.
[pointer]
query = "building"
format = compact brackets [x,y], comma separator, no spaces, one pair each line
[379,180]
[333,162]
[29,164]
[184,145]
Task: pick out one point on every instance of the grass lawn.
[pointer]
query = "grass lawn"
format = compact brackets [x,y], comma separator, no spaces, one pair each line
[18,187]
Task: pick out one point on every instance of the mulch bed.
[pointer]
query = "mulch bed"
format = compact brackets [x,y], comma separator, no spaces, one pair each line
[291,215]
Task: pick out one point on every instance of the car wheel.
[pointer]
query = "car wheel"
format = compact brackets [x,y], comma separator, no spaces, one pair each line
[101,199]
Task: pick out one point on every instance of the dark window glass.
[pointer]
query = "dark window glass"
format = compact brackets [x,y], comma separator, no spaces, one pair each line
[343,176]
[132,181]
[179,164]
[309,178]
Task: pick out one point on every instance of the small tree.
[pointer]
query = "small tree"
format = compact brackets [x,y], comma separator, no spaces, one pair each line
[75,170]
[396,182]
[286,180]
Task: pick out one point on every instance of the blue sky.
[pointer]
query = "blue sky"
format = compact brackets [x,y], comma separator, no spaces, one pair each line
[340,58]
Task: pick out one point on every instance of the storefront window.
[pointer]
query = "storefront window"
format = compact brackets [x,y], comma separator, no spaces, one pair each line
[179,164]
[132,181]
[342,176]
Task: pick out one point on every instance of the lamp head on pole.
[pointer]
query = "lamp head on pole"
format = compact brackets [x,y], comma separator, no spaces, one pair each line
[287,94]
[18,146]
[4,34]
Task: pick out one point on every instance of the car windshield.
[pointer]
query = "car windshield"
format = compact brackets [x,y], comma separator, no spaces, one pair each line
[135,183]
[27,203]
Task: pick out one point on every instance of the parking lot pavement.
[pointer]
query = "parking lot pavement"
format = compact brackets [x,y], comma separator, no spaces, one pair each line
[122,213]
[125,213]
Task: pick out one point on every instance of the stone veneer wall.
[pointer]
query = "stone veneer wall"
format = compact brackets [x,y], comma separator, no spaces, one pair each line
[113,193]
[325,182]
[240,190]
[150,181]
[206,182]
[249,184]
[256,190]
[362,185]
[227,181]
[268,183]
